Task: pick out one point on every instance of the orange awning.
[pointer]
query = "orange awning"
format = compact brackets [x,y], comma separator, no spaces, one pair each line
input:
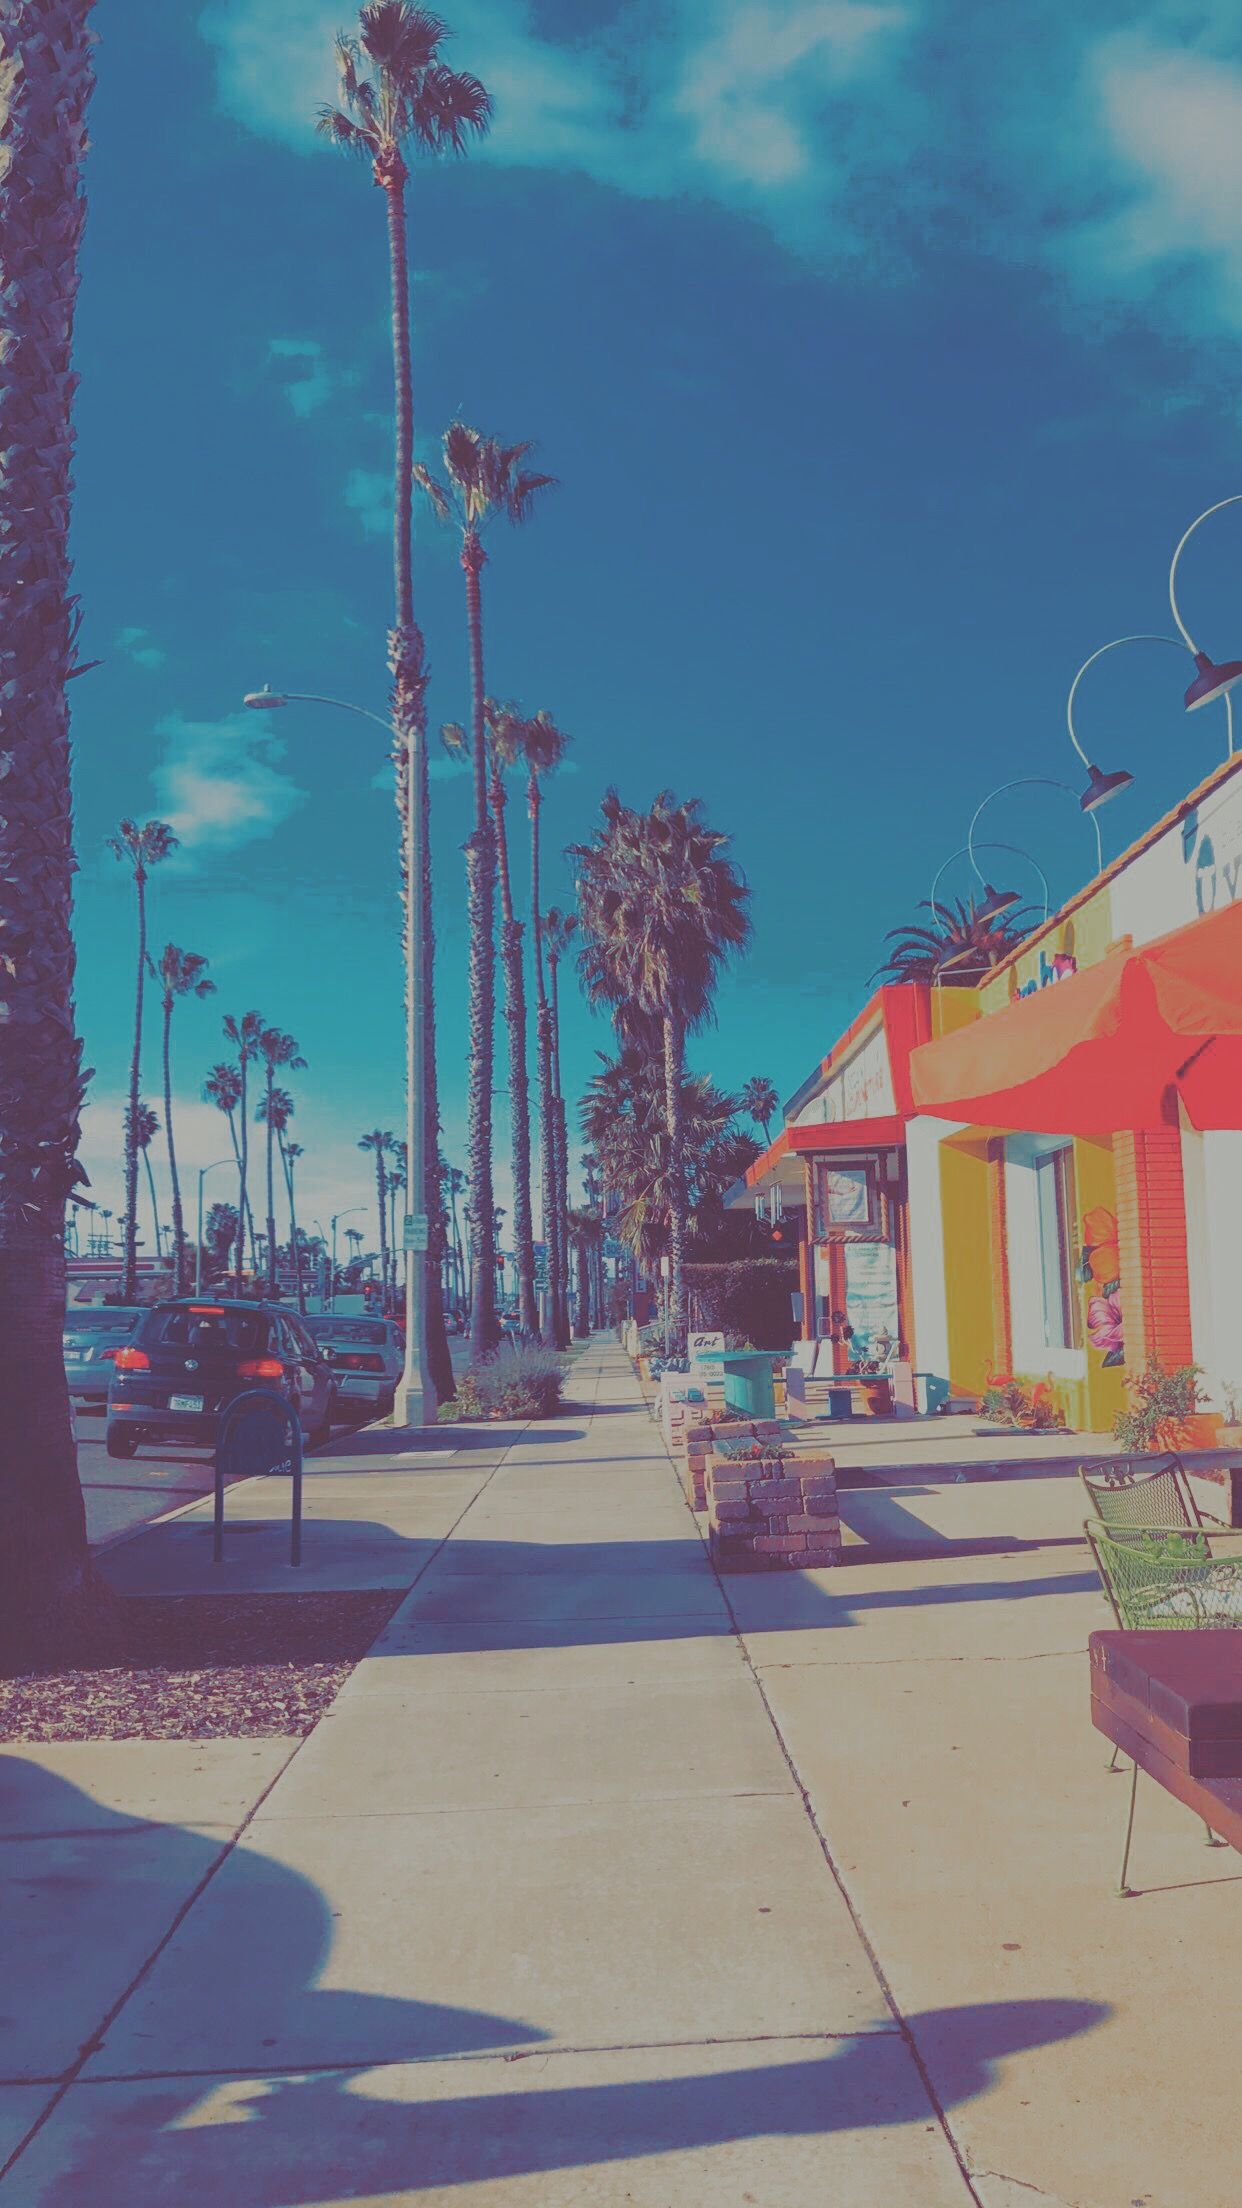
[1106,1049]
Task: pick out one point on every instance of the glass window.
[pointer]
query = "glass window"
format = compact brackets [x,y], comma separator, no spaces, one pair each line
[99,1319]
[181,1326]
[1054,1196]
[331,1329]
[846,1198]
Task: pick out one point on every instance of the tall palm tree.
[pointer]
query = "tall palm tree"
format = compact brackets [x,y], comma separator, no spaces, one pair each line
[223,1088]
[506,750]
[273,1111]
[146,1128]
[397,96]
[484,481]
[558,930]
[761,1102]
[290,1152]
[398,1179]
[48,1598]
[454,1183]
[182,974]
[380,1141]
[543,747]
[279,1052]
[244,1034]
[662,908]
[960,945]
[140,848]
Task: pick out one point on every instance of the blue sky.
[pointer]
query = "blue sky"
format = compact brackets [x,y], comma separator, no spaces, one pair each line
[882,353]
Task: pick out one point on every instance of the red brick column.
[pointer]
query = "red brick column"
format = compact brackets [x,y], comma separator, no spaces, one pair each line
[1151,1239]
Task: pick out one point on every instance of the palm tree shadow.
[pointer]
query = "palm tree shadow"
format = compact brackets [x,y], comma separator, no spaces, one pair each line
[196,2095]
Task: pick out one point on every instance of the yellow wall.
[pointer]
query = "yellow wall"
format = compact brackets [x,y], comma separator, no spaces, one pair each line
[1090,1405]
[967,1261]
[1086,935]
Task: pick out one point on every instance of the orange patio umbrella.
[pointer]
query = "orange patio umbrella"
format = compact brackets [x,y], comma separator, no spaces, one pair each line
[1110,1048]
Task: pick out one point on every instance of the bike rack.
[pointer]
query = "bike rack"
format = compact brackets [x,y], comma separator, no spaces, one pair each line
[249,1420]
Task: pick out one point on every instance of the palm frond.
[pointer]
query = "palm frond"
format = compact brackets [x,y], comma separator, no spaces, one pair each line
[436,492]
[340,131]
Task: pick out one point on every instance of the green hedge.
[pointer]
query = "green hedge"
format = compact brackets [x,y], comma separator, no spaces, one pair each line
[747,1298]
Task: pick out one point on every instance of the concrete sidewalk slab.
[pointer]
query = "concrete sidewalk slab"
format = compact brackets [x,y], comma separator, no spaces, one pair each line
[791,2123]
[520,1749]
[498,1556]
[547,1598]
[414,1656]
[587,1926]
[186,1782]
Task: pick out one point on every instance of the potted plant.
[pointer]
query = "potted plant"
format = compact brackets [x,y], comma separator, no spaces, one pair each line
[1166,1411]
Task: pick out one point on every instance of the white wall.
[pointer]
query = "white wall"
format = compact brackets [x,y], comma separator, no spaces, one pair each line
[927,1275]
[1212,1174]
[1030,1351]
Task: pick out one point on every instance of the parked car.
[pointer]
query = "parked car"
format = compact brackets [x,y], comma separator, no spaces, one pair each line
[93,1334]
[368,1356]
[189,1358]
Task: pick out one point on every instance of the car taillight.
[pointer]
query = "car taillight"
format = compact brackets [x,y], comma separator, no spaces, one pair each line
[355,1361]
[129,1360]
[261,1368]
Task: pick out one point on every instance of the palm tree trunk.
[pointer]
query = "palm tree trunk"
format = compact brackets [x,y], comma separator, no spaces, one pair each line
[519,1086]
[155,1209]
[674,1053]
[543,1055]
[439,1358]
[243,1160]
[49,1602]
[271,1187]
[582,1317]
[560,1159]
[480,879]
[287,1162]
[180,1281]
[129,1262]
[381,1197]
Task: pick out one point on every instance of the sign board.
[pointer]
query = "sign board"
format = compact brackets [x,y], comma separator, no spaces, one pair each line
[541,1264]
[704,1352]
[417,1231]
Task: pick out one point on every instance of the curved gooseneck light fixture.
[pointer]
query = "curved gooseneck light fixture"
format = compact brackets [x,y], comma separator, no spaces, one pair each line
[1212,679]
[1007,899]
[1000,900]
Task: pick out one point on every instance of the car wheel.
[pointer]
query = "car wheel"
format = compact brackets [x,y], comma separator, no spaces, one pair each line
[120,1441]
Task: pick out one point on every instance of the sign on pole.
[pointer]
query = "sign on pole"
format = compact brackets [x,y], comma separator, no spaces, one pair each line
[417,1231]
[704,1352]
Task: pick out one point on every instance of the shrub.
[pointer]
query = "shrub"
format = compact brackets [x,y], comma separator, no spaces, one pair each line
[1009,1402]
[1161,1403]
[517,1382]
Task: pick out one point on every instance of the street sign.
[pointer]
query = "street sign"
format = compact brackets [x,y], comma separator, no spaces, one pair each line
[541,1264]
[417,1231]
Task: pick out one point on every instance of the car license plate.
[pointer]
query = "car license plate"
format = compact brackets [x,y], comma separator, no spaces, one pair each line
[185,1402]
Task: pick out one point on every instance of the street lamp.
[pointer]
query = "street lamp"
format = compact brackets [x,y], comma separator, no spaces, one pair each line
[335,1216]
[997,901]
[1211,680]
[198,1246]
[414,1390]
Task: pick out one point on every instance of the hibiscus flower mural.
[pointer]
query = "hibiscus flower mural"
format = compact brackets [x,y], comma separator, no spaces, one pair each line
[1100,1268]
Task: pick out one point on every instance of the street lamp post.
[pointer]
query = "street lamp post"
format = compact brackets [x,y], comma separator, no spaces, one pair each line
[1015,850]
[198,1246]
[414,1390]
[1211,680]
[335,1216]
[999,900]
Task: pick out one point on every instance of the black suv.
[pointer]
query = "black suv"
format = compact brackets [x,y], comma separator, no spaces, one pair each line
[187,1360]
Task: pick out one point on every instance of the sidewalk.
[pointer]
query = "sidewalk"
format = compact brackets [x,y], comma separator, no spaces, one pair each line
[601,1885]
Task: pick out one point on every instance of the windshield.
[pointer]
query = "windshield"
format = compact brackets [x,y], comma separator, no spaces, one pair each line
[329,1329]
[99,1320]
[178,1326]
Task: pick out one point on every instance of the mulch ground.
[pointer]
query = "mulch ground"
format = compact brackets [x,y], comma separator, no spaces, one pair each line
[204,1667]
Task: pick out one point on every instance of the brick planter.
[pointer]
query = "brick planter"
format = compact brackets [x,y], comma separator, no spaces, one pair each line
[698,1439]
[774,1513]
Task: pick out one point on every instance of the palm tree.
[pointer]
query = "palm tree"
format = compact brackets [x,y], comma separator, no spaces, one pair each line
[48,1598]
[662,908]
[398,96]
[505,750]
[558,929]
[380,1142]
[140,848]
[182,974]
[584,1232]
[223,1088]
[454,1182]
[543,747]
[290,1152]
[624,1117]
[398,1179]
[244,1034]
[278,1051]
[761,1102]
[484,481]
[146,1128]
[960,945]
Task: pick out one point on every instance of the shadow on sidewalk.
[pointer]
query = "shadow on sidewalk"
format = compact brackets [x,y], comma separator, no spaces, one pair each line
[233,2002]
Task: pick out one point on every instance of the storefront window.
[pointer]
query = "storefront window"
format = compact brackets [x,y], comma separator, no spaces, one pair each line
[1054,1194]
[847,1198]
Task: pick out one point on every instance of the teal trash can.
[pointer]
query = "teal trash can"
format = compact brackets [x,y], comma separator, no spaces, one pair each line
[748,1386]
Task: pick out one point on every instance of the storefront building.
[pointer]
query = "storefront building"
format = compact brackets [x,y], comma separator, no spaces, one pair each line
[1071,1252]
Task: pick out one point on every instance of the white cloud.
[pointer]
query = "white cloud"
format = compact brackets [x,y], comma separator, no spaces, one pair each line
[368,494]
[138,645]
[219,783]
[308,378]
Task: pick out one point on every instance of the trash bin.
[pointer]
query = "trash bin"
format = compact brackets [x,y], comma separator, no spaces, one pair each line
[748,1388]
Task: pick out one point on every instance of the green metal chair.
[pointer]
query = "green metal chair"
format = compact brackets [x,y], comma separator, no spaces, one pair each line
[1173,1577]
[1126,1492]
